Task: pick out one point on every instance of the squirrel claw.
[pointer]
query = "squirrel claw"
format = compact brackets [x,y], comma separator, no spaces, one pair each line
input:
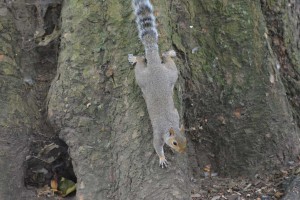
[132,59]
[163,163]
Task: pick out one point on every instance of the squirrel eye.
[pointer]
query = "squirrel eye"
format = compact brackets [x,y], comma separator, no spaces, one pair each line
[175,143]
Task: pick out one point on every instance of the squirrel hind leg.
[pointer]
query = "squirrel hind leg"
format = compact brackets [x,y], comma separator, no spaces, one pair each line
[170,53]
[136,59]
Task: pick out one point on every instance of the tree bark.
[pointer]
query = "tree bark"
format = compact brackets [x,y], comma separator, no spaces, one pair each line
[237,106]
[24,79]
[97,108]
[16,111]
[238,93]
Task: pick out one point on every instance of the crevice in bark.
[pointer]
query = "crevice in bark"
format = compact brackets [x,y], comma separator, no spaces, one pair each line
[38,23]
[200,140]
[49,160]
[275,14]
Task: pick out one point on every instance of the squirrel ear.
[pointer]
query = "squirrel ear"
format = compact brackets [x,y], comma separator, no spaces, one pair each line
[182,129]
[172,132]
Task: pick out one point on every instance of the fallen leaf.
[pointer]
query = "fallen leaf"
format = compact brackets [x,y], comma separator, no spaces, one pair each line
[278,194]
[216,198]
[66,186]
[297,171]
[195,195]
[284,172]
[45,191]
[207,168]
[234,197]
[247,187]
[54,185]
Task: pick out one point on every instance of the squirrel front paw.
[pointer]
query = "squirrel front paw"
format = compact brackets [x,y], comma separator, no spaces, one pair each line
[163,163]
[132,59]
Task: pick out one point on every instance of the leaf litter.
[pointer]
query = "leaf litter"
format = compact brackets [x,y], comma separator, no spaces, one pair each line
[271,186]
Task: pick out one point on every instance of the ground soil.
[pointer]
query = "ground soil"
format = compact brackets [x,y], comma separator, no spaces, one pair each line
[260,187]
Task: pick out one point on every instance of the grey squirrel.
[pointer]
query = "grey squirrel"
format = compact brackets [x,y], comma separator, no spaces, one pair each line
[156,77]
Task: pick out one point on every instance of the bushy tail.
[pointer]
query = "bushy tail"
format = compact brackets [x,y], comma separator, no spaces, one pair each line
[146,23]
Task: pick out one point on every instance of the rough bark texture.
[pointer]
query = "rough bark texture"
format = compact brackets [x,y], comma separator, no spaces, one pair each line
[99,111]
[26,72]
[283,25]
[238,92]
[16,111]
[236,103]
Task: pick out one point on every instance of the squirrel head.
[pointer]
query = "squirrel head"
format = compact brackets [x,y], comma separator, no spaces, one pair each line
[176,139]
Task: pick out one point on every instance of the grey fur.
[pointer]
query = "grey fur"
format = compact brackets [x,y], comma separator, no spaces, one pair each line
[156,80]
[146,23]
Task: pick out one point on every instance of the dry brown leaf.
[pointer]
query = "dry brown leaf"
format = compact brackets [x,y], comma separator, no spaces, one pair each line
[284,172]
[297,171]
[54,185]
[278,194]
[207,168]
[45,191]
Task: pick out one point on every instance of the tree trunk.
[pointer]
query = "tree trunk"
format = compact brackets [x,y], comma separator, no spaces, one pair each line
[237,105]
[99,110]
[16,111]
[238,92]
[235,102]
[26,71]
